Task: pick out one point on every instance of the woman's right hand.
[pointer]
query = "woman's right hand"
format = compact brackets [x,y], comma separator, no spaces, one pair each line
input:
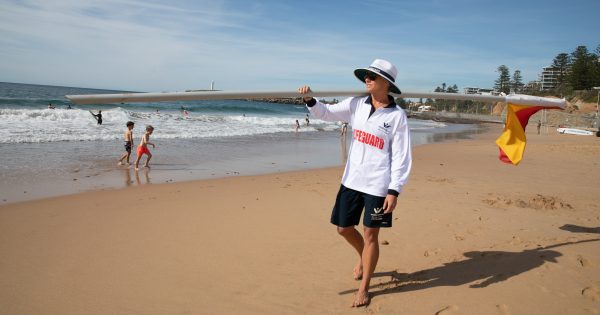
[305,90]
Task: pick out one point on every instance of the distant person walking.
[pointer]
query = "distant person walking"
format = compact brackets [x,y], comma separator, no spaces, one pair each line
[184,112]
[539,126]
[98,117]
[143,148]
[128,143]
[377,168]
[297,126]
[344,128]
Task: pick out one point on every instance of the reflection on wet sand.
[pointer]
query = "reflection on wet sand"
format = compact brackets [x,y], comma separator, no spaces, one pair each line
[146,172]
[127,175]
[344,148]
[420,138]
[128,180]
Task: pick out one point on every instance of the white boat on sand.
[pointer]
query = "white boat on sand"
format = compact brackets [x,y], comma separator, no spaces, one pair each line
[574,131]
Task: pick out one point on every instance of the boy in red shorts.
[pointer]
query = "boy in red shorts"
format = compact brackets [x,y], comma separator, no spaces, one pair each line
[143,147]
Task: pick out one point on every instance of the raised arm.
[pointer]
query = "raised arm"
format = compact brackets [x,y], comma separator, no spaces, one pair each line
[341,111]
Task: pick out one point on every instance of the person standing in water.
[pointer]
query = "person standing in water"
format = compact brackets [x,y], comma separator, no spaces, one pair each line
[98,117]
[143,148]
[378,165]
[128,143]
[344,128]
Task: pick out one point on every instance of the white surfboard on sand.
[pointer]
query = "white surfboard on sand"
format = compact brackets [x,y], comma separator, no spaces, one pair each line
[573,131]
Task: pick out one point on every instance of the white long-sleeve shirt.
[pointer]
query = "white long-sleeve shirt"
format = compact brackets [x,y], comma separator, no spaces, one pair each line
[379,160]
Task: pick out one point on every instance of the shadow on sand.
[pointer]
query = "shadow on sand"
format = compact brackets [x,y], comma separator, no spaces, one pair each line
[480,269]
[580,229]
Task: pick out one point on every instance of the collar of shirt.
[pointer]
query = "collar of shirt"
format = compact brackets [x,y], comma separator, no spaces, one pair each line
[391,104]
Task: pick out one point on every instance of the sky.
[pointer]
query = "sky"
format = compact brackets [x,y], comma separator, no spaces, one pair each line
[177,45]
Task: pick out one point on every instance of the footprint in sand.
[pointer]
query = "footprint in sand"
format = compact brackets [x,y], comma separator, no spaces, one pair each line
[582,261]
[431,252]
[503,309]
[440,180]
[592,293]
[459,238]
[536,202]
[448,310]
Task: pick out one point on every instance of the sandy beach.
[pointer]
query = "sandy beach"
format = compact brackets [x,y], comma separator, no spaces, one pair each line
[471,235]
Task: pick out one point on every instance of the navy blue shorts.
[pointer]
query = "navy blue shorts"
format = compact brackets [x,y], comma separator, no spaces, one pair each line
[349,205]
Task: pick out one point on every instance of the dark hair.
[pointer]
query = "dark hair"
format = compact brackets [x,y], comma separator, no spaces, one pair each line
[149,127]
[129,123]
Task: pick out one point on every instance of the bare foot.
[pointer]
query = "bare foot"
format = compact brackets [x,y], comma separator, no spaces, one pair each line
[362,298]
[136,168]
[147,166]
[358,271]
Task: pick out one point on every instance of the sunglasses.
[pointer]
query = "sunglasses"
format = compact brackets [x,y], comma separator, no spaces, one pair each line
[371,76]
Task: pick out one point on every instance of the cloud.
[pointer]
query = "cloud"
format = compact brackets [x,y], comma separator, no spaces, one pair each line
[177,45]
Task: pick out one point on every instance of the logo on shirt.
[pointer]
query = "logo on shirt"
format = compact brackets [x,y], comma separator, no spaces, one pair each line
[385,128]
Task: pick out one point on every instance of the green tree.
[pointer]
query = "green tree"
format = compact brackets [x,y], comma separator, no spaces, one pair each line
[517,81]
[562,62]
[401,102]
[502,84]
[441,89]
[443,104]
[596,67]
[581,75]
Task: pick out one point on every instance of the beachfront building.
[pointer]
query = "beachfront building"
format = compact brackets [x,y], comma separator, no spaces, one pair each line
[548,79]
[424,108]
[471,90]
[534,85]
[480,91]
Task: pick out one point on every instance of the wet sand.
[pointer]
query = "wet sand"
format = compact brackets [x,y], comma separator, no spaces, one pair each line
[36,170]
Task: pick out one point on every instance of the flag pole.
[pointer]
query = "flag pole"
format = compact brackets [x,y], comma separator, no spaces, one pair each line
[216,95]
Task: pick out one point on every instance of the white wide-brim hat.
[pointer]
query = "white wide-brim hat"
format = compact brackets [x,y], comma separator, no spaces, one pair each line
[384,69]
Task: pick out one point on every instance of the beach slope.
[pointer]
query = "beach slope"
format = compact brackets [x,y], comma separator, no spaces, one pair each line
[471,235]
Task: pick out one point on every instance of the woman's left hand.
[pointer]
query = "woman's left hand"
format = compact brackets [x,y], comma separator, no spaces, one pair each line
[389,204]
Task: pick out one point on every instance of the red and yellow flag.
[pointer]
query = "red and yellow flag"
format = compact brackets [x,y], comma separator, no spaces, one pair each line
[520,107]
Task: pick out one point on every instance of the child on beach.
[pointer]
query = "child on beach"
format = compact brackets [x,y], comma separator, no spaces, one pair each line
[143,147]
[128,143]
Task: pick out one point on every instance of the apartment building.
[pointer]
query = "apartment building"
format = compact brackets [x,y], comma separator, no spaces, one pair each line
[480,91]
[548,79]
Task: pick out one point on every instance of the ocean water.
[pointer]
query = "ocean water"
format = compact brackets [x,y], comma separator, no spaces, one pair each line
[25,117]
[46,152]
